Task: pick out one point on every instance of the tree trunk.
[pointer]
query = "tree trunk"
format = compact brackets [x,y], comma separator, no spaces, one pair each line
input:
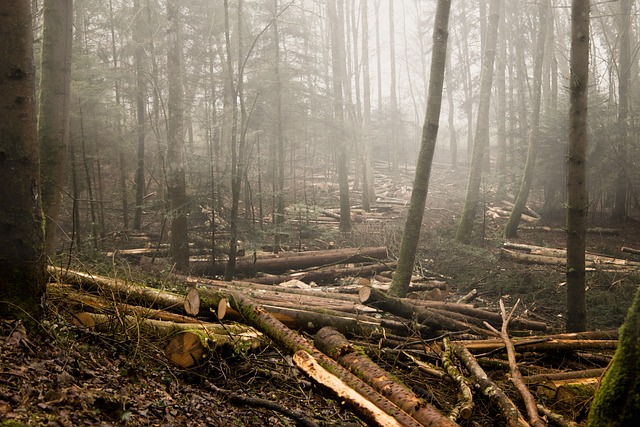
[141,104]
[22,260]
[413,224]
[511,229]
[368,189]
[472,199]
[624,83]
[53,117]
[577,203]
[175,143]
[337,63]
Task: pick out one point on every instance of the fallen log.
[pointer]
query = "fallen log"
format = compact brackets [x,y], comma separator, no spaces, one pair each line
[278,264]
[586,373]
[464,409]
[296,344]
[359,404]
[334,344]
[124,290]
[507,408]
[376,299]
[328,274]
[539,345]
[569,391]
[189,343]
[630,250]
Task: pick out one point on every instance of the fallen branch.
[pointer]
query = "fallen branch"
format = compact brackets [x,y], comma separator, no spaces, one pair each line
[516,376]
[464,408]
[509,411]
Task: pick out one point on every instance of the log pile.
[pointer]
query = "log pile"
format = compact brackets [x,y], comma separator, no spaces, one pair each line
[461,347]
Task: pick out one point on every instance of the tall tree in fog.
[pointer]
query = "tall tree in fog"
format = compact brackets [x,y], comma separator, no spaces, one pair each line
[175,142]
[53,115]
[624,83]
[368,191]
[279,135]
[481,139]
[511,229]
[337,64]
[141,105]
[394,142]
[411,235]
[22,260]
[577,202]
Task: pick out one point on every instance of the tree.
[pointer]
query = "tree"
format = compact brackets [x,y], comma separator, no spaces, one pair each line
[22,260]
[577,202]
[337,62]
[511,229]
[53,115]
[617,401]
[175,143]
[411,235]
[481,139]
[624,82]
[368,190]
[141,106]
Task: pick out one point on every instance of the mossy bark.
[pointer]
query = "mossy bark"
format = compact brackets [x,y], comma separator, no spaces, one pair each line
[617,402]
[22,264]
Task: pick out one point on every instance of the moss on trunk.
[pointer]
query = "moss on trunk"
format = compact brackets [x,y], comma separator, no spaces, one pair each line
[617,402]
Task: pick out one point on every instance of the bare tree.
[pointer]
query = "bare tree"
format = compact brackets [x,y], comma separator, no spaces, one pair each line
[141,105]
[577,203]
[368,190]
[411,235]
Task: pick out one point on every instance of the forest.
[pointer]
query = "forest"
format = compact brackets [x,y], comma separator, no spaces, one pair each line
[319,212]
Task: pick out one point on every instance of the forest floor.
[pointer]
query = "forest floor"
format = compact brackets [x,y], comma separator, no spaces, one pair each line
[66,376]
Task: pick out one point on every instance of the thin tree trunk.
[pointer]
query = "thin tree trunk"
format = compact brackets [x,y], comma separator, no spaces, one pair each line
[511,229]
[411,235]
[53,117]
[481,139]
[394,116]
[175,143]
[140,115]
[577,203]
[368,190]
[280,153]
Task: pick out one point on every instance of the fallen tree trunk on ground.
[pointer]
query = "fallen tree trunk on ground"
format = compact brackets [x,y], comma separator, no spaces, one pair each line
[295,344]
[328,274]
[335,345]
[278,264]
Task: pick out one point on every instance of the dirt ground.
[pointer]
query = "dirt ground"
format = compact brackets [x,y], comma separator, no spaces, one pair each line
[69,377]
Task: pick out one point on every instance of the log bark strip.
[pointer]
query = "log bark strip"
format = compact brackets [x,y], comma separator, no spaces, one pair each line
[334,344]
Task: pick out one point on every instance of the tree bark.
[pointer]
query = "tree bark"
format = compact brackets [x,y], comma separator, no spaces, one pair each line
[175,142]
[54,106]
[577,203]
[413,224]
[22,260]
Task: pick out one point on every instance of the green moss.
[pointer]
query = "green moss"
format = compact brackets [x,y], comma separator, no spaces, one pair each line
[617,402]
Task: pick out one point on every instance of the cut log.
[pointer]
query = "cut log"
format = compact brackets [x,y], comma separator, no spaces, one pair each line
[366,409]
[539,345]
[586,373]
[324,275]
[278,264]
[334,344]
[377,299]
[569,391]
[630,250]
[507,408]
[294,343]
[189,343]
